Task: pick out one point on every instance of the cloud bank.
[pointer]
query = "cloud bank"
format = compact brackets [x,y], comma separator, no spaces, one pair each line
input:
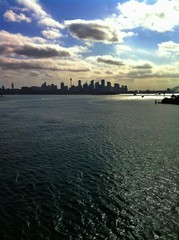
[29,47]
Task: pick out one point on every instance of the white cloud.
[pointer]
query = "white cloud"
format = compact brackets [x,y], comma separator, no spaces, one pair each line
[168,49]
[76,50]
[51,33]
[11,16]
[7,38]
[161,16]
[38,12]
[33,6]
[49,22]
[122,48]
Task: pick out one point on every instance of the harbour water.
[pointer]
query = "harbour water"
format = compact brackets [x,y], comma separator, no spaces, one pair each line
[88,167]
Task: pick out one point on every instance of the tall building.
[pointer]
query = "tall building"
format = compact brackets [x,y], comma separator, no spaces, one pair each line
[116,88]
[97,86]
[92,83]
[62,85]
[102,82]
[109,88]
[108,84]
[79,83]
[91,86]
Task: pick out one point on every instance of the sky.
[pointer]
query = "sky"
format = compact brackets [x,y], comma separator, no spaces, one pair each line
[130,42]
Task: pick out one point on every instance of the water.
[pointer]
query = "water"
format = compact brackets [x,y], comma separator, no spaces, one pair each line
[88,167]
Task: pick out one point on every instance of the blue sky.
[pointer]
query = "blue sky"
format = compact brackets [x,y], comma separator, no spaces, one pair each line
[133,43]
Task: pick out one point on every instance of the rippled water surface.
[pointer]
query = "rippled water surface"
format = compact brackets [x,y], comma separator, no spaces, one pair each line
[88,167]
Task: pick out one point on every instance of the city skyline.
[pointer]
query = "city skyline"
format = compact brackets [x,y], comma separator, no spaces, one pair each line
[133,43]
[92,87]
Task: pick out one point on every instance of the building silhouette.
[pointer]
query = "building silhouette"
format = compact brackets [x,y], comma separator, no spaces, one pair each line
[81,88]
